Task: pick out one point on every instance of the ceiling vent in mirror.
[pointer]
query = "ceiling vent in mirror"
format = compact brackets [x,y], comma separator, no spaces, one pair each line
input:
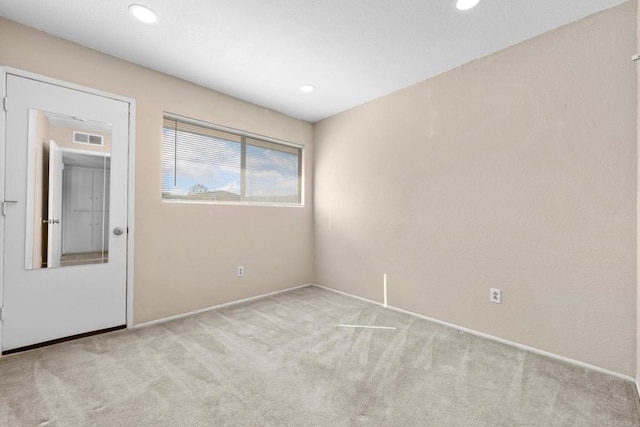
[87,138]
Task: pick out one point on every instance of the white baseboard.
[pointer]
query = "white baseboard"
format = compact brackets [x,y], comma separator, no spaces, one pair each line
[638,388]
[494,338]
[215,307]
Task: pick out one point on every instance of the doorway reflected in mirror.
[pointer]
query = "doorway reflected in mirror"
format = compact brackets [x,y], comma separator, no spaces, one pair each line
[68,184]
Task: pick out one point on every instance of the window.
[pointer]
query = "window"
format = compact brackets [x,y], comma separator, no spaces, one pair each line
[207,163]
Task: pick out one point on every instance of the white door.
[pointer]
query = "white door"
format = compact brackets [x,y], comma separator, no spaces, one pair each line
[42,303]
[54,241]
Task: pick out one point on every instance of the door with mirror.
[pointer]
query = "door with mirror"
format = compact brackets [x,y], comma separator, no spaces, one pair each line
[64,266]
[70,182]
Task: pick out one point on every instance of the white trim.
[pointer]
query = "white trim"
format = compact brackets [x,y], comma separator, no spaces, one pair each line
[3,133]
[62,83]
[222,203]
[216,307]
[31,190]
[302,162]
[384,288]
[637,389]
[85,152]
[494,338]
[131,210]
[351,295]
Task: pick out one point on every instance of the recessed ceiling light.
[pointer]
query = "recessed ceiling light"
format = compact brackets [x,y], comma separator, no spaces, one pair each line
[466,4]
[307,88]
[143,13]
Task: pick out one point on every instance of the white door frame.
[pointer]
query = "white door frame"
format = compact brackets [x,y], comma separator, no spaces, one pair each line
[54,234]
[4,71]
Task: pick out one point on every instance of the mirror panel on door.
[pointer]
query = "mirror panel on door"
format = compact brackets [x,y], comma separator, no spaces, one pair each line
[68,191]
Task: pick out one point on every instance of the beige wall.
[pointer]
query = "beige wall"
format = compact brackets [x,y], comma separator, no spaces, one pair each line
[185,254]
[516,171]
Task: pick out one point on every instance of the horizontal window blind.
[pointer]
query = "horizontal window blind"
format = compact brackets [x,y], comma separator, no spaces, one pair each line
[205,163]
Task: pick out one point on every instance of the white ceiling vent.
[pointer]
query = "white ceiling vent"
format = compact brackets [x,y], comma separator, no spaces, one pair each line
[87,138]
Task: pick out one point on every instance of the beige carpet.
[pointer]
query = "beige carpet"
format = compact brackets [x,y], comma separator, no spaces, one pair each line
[285,361]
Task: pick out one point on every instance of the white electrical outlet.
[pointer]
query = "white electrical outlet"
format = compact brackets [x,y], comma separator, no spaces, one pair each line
[495,295]
[240,271]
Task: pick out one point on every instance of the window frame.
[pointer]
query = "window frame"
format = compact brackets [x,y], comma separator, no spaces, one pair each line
[243,145]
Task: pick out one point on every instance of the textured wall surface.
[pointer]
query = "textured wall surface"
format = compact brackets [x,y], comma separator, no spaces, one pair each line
[516,171]
[185,254]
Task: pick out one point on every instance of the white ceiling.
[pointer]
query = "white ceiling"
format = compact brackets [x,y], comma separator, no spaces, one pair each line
[262,51]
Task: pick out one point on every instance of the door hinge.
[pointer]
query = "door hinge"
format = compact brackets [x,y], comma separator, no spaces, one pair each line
[1,313]
[5,102]
[4,206]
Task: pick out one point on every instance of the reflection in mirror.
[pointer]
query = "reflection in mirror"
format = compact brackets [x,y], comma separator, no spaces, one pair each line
[68,191]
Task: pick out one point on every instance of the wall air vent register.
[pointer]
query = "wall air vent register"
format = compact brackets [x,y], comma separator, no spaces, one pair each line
[87,138]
